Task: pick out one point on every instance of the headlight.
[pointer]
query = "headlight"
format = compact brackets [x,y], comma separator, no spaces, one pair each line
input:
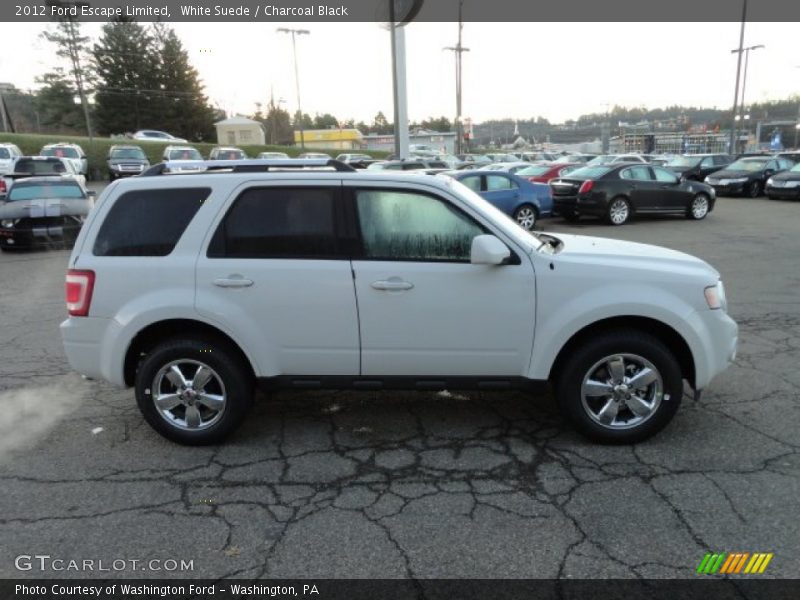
[769,181]
[715,296]
[7,223]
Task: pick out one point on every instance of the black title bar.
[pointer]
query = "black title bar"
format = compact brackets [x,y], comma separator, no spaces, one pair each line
[378,10]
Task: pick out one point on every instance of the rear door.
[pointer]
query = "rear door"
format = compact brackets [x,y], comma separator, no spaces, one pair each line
[502,191]
[275,267]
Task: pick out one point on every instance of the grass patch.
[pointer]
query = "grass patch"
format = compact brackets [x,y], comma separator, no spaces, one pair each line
[97,149]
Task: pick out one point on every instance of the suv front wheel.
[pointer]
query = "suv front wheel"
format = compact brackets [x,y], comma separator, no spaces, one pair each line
[620,387]
[193,391]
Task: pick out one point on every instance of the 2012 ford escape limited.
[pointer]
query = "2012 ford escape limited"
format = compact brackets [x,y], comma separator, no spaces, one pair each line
[195,288]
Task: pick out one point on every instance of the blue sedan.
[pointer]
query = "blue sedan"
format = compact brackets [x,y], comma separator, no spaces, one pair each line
[519,198]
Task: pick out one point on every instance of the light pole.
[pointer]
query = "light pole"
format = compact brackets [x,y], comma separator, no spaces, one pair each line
[458,50]
[295,32]
[732,141]
[744,77]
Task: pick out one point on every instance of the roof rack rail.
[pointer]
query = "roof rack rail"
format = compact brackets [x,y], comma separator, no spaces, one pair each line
[246,165]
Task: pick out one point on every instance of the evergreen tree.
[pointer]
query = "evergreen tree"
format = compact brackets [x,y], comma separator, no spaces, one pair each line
[183,107]
[55,104]
[126,70]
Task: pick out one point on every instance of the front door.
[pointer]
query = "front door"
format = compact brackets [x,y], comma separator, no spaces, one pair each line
[423,308]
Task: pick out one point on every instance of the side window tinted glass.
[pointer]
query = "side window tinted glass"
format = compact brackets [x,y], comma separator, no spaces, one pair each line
[278,223]
[400,225]
[148,222]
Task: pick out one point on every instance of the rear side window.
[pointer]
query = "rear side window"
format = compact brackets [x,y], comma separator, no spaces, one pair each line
[278,223]
[148,222]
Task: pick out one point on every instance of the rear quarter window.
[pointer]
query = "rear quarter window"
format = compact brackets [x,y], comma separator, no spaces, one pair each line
[148,222]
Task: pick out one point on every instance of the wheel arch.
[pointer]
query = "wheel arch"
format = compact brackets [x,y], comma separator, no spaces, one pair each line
[148,337]
[673,340]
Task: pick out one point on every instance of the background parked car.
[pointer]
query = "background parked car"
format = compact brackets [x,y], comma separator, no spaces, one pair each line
[523,201]
[72,152]
[182,158]
[697,167]
[43,211]
[472,161]
[747,176]
[575,158]
[785,185]
[532,157]
[497,157]
[153,135]
[543,173]
[610,159]
[31,166]
[8,153]
[508,167]
[124,161]
[226,153]
[411,164]
[273,156]
[617,192]
[315,155]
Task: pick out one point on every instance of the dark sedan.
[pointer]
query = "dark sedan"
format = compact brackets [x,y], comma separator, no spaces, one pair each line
[747,176]
[698,166]
[785,185]
[618,192]
[42,211]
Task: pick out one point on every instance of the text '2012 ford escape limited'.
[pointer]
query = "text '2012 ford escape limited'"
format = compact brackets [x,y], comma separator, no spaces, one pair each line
[194,288]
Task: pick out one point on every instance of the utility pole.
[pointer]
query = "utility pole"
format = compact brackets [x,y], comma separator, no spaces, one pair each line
[732,141]
[458,50]
[295,32]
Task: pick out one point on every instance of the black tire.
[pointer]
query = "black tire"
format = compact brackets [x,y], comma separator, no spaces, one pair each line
[569,384]
[693,212]
[227,365]
[527,209]
[572,217]
[618,201]
[771,197]
[754,189]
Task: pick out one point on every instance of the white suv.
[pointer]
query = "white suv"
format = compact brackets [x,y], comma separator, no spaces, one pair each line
[193,288]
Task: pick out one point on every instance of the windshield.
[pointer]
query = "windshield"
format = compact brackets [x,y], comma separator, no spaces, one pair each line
[130,153]
[230,155]
[35,191]
[748,165]
[40,167]
[589,172]
[534,170]
[795,169]
[684,161]
[61,152]
[185,154]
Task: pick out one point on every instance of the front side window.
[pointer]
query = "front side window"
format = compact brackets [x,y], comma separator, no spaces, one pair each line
[278,223]
[664,176]
[148,222]
[412,226]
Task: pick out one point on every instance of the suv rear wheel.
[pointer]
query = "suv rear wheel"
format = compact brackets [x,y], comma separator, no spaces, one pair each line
[193,391]
[620,387]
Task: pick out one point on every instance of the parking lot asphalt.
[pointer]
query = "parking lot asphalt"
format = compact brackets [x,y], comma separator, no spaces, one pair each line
[343,484]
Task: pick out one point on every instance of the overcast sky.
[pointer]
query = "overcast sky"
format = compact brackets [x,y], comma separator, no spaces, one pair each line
[517,70]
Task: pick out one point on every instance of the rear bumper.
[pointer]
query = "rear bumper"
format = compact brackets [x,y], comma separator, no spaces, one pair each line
[584,205]
[38,236]
[86,344]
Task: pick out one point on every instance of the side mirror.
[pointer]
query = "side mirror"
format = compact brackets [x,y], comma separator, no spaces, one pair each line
[91,193]
[488,250]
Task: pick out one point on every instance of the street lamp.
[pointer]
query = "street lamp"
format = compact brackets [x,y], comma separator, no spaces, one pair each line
[740,50]
[295,32]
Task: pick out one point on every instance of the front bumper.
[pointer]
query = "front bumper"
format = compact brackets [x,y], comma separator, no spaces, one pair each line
[792,193]
[46,235]
[731,189]
[718,339]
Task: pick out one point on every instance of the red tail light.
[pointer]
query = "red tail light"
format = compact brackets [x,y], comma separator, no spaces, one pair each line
[586,187]
[78,290]
[3,187]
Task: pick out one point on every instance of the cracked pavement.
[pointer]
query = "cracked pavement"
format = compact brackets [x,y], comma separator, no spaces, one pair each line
[425,485]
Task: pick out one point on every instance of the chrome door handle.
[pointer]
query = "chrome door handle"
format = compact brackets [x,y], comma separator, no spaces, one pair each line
[233,282]
[394,284]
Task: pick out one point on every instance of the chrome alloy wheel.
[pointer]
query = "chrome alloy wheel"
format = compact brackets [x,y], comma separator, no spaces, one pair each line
[622,391]
[526,218]
[189,394]
[699,206]
[618,212]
